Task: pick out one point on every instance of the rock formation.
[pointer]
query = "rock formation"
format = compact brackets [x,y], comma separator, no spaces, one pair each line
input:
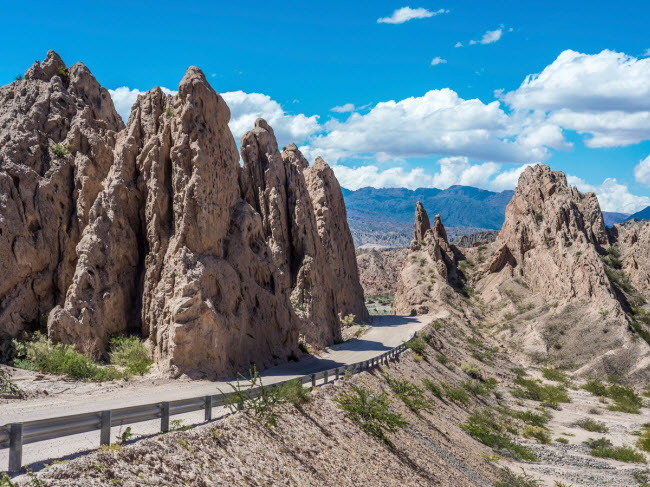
[57,131]
[155,228]
[304,222]
[475,239]
[428,268]
[552,235]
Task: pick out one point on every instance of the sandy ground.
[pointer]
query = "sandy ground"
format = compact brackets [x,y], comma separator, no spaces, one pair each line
[49,396]
[571,463]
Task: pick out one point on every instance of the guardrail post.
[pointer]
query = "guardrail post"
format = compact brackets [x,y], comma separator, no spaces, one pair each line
[336,371]
[325,377]
[313,380]
[15,447]
[105,433]
[208,408]
[164,416]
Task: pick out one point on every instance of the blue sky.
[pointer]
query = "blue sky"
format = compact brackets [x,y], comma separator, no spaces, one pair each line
[468,117]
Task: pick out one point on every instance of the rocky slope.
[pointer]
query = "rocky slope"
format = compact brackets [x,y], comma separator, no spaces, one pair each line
[554,276]
[57,130]
[216,265]
[378,270]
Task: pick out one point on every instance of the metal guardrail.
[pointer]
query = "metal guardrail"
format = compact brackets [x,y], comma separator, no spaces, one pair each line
[15,435]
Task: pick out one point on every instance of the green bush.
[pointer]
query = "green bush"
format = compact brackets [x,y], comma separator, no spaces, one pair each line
[534,390]
[40,354]
[625,399]
[371,413]
[472,369]
[479,388]
[294,392]
[129,352]
[265,405]
[564,441]
[540,434]
[529,416]
[434,388]
[507,478]
[442,358]
[410,394]
[456,394]
[418,345]
[643,443]
[603,448]
[7,386]
[59,150]
[486,427]
[592,425]
[348,321]
[555,375]
[596,387]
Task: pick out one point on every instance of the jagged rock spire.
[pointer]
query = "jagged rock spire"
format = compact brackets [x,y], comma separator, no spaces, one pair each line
[422,223]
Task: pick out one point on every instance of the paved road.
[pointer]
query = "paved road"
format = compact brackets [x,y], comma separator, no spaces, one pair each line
[385,333]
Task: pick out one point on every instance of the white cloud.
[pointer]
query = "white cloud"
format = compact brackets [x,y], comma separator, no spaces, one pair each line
[438,60]
[246,107]
[405,14]
[642,171]
[612,195]
[458,44]
[348,107]
[605,96]
[453,170]
[647,52]
[124,98]
[439,123]
[490,37]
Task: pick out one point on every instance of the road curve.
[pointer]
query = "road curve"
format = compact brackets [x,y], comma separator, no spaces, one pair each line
[385,332]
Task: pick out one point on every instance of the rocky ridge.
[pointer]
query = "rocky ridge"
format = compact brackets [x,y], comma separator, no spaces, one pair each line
[216,265]
[553,276]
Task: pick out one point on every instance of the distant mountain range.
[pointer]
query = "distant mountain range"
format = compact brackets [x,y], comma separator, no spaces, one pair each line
[384,216]
[644,214]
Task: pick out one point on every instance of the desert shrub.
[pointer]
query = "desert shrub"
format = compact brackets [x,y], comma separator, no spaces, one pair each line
[124,436]
[540,434]
[456,394]
[625,399]
[347,321]
[294,392]
[371,413]
[41,355]
[442,358]
[642,478]
[7,386]
[410,394]
[508,478]
[592,425]
[472,369]
[643,443]
[130,353]
[519,372]
[479,388]
[432,387]
[555,375]
[59,150]
[596,387]
[486,427]
[418,345]
[529,416]
[265,405]
[534,390]
[63,72]
[564,441]
[603,448]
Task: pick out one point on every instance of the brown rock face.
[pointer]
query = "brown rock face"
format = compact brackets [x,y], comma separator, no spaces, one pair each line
[57,130]
[428,268]
[300,219]
[179,242]
[553,233]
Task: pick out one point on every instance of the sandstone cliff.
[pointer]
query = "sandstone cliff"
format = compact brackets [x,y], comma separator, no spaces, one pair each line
[57,131]
[156,229]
